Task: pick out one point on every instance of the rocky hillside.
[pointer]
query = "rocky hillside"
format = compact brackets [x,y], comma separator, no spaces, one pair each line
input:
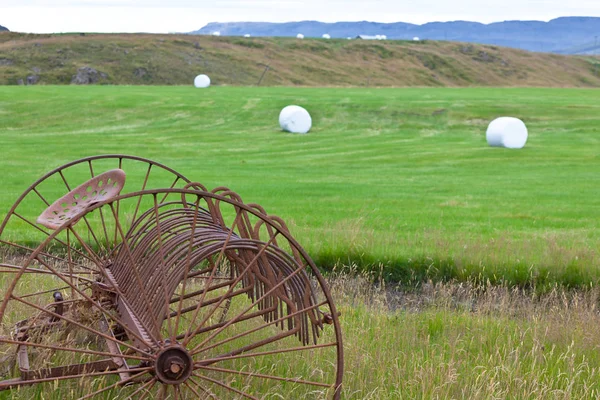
[176,59]
[2,28]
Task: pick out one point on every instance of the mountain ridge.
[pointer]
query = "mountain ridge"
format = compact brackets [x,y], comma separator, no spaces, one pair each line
[555,35]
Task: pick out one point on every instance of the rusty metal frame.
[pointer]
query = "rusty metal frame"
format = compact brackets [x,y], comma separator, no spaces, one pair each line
[159,249]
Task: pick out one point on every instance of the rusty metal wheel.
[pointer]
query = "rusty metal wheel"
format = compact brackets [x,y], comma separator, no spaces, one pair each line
[170,293]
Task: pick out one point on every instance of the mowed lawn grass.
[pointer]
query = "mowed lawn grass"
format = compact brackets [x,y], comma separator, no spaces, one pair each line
[395,180]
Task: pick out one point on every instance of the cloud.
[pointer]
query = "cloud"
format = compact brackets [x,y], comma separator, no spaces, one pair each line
[187,15]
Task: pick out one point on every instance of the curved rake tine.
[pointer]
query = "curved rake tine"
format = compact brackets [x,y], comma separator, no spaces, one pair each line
[187,269]
[162,267]
[274,288]
[136,273]
[212,274]
[230,290]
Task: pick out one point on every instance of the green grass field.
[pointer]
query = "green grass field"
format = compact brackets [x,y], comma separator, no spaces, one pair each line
[393,180]
[399,181]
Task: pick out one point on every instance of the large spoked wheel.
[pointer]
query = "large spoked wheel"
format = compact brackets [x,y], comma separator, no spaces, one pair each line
[171,293]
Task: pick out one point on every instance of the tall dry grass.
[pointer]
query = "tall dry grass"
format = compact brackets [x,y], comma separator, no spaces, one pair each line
[457,340]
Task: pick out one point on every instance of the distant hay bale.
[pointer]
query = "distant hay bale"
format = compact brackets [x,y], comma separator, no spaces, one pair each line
[202,81]
[295,119]
[416,39]
[326,36]
[216,33]
[507,132]
[247,35]
[299,36]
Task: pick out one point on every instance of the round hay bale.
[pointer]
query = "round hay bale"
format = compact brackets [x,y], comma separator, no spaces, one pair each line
[299,36]
[202,81]
[326,36]
[507,132]
[295,119]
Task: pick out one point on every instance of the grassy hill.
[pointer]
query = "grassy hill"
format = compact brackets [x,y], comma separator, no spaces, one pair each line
[133,59]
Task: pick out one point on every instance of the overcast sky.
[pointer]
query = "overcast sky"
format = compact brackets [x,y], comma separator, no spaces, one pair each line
[163,16]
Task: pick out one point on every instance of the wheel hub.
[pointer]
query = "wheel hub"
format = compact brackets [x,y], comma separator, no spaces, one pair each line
[173,365]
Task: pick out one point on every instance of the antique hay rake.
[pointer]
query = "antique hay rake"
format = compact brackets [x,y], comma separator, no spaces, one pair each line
[140,283]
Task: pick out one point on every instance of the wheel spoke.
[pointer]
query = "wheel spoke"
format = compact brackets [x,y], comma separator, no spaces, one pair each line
[96,305]
[263,376]
[263,353]
[40,196]
[148,385]
[206,391]
[46,233]
[170,187]
[120,383]
[71,321]
[262,326]
[84,375]
[74,350]
[224,385]
[48,255]
[137,206]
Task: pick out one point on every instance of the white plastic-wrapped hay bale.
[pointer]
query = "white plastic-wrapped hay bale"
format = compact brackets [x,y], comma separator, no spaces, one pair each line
[507,132]
[247,35]
[295,119]
[299,36]
[416,39]
[326,36]
[202,81]
[216,33]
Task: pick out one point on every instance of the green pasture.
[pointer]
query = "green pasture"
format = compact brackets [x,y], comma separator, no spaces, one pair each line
[398,181]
